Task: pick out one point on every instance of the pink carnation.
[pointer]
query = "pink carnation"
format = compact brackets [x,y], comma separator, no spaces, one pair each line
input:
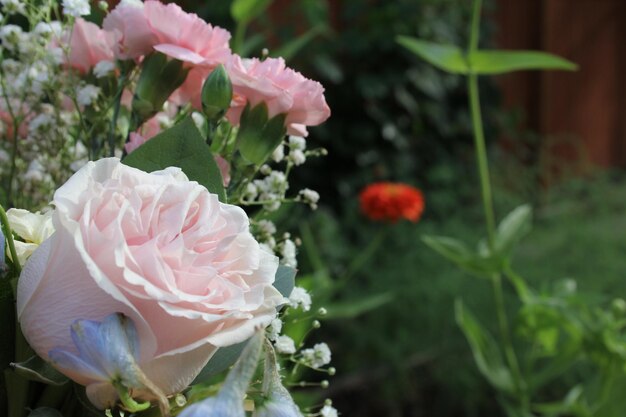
[135,37]
[185,36]
[89,45]
[283,90]
[169,30]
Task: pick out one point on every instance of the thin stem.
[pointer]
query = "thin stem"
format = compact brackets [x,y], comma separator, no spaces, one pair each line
[487,198]
[240,35]
[9,237]
[481,157]
[116,112]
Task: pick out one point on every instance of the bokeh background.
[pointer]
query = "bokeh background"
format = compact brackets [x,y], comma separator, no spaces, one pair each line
[556,140]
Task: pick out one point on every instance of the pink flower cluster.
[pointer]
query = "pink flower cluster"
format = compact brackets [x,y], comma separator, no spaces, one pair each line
[133,30]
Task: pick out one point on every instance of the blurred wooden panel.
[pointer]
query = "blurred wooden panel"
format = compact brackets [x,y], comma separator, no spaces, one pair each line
[588,106]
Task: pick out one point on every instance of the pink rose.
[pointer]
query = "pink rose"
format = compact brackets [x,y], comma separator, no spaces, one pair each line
[158,248]
[283,90]
[89,45]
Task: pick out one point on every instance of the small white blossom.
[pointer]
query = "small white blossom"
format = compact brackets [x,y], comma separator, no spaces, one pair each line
[285,344]
[274,329]
[76,8]
[11,36]
[13,6]
[279,153]
[103,68]
[288,252]
[310,197]
[266,227]
[42,29]
[41,122]
[328,411]
[87,94]
[318,356]
[35,172]
[300,298]
[297,143]
[297,157]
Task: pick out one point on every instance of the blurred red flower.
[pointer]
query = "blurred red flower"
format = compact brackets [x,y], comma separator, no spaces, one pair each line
[388,201]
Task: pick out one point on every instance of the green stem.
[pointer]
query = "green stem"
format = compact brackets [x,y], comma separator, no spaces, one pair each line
[487,199]
[481,157]
[116,112]
[129,403]
[8,234]
[357,264]
[240,35]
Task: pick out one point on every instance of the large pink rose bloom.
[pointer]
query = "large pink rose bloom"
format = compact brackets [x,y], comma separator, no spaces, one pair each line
[89,45]
[283,90]
[161,250]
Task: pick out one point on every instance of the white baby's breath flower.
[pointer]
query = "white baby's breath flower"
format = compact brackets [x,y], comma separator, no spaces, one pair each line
[266,227]
[309,197]
[87,94]
[297,157]
[300,297]
[328,411]
[288,252]
[13,6]
[318,356]
[76,8]
[297,143]
[42,29]
[11,36]
[285,344]
[274,329]
[279,153]
[103,68]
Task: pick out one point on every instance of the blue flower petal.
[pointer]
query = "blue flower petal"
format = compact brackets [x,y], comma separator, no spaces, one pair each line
[66,360]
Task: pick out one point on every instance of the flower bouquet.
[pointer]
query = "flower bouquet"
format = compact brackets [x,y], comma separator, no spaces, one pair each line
[141,157]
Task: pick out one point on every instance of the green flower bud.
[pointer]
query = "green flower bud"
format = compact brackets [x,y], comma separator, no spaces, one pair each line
[217,93]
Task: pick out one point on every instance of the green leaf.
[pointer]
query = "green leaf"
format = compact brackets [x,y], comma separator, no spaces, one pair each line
[353,308]
[456,251]
[449,58]
[223,359]
[285,280]
[500,62]
[36,369]
[513,228]
[247,10]
[45,412]
[180,146]
[453,59]
[485,350]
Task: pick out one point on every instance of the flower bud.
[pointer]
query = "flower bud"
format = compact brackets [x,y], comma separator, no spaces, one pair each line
[158,80]
[259,135]
[217,93]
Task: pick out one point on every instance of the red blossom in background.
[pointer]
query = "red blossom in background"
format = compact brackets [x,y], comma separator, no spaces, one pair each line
[388,201]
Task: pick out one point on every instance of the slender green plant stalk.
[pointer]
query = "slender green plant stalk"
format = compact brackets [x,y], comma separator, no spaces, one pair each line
[487,198]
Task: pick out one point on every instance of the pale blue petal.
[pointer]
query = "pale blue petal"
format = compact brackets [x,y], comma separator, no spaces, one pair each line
[66,360]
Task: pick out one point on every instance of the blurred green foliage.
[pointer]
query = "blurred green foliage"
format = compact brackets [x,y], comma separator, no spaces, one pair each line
[397,118]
